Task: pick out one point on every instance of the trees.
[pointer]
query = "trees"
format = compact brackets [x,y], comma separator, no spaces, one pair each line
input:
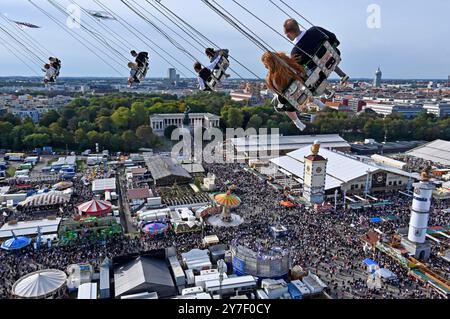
[121,118]
[375,129]
[234,118]
[139,115]
[121,122]
[129,141]
[103,123]
[5,134]
[49,118]
[36,140]
[255,122]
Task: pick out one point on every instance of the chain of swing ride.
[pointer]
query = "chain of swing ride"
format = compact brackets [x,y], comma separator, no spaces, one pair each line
[113,54]
[88,44]
[143,37]
[252,36]
[18,44]
[192,32]
[198,37]
[137,8]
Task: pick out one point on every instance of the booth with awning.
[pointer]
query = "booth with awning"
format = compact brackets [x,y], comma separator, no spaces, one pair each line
[51,199]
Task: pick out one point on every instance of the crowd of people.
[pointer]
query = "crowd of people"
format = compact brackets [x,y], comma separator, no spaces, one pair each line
[327,244]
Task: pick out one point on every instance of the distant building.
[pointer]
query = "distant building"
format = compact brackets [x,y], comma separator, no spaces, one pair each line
[377,80]
[250,94]
[263,147]
[339,106]
[159,122]
[172,74]
[438,109]
[385,148]
[252,98]
[409,111]
[33,114]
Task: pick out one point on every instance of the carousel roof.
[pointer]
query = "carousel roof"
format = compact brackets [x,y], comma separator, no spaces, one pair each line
[39,284]
[155,228]
[95,207]
[45,199]
[227,199]
[16,243]
[63,185]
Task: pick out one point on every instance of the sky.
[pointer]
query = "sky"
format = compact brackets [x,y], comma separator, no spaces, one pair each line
[409,42]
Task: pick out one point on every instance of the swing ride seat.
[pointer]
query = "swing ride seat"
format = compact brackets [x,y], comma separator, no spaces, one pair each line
[141,73]
[322,64]
[326,58]
[221,68]
[219,73]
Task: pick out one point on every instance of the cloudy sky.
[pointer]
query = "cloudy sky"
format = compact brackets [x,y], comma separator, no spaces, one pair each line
[411,41]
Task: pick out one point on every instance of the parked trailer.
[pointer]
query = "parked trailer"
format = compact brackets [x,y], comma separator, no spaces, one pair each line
[231,286]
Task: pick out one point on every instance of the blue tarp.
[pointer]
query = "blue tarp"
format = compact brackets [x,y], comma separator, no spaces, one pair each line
[376,220]
[387,274]
[370,262]
[294,292]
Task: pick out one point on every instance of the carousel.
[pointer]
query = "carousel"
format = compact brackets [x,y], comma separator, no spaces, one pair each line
[42,284]
[95,207]
[227,201]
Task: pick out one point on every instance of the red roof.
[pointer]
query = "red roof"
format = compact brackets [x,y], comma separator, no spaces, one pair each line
[139,171]
[139,193]
[95,208]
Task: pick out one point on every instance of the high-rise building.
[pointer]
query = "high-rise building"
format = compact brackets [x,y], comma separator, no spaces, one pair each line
[377,80]
[172,74]
[315,173]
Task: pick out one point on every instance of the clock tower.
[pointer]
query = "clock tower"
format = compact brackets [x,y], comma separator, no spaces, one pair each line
[315,172]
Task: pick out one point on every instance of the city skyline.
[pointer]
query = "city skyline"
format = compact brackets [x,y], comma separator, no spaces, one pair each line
[394,46]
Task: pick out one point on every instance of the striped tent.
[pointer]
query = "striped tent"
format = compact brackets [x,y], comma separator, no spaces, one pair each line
[46,199]
[95,207]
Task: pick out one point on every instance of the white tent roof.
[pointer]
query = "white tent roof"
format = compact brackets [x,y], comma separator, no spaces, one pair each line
[295,167]
[39,284]
[340,166]
[437,151]
[106,184]
[30,228]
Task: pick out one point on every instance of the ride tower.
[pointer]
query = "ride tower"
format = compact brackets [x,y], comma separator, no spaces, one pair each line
[415,243]
[315,170]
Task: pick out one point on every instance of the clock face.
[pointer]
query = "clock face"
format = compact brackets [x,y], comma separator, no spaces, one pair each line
[319,170]
[308,168]
[417,191]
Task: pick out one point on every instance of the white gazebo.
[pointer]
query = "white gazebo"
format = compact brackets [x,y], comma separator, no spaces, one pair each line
[40,284]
